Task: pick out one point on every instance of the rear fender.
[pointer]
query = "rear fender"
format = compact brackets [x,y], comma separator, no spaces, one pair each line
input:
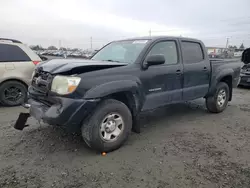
[217,78]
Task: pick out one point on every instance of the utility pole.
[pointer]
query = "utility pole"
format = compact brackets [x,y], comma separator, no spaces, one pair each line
[150,32]
[91,43]
[227,42]
[60,43]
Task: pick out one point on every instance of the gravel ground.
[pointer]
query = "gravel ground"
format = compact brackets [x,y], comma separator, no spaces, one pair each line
[180,146]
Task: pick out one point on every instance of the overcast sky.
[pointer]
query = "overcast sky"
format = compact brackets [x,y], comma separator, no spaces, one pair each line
[72,23]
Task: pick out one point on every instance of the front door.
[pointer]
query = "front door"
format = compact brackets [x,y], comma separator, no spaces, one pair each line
[163,83]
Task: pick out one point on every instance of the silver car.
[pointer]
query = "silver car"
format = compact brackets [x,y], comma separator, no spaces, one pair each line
[17,63]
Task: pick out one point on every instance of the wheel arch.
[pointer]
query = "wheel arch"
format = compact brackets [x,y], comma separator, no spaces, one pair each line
[229,81]
[16,80]
[225,76]
[128,98]
[127,91]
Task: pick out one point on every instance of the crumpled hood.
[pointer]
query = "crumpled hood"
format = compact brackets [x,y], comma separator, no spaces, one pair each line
[245,69]
[75,66]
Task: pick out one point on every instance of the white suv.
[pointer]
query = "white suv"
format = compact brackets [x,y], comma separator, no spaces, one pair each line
[17,63]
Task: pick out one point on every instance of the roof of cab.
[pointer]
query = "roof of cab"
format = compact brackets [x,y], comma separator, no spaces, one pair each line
[9,40]
[160,37]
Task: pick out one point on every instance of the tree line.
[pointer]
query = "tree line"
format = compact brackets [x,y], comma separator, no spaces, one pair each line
[39,47]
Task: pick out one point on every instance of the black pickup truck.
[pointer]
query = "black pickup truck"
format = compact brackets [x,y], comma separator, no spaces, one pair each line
[103,96]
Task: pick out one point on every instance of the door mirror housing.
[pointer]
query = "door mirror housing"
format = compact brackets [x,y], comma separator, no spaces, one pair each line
[157,59]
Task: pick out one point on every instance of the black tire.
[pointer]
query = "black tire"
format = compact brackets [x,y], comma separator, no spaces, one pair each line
[212,102]
[21,89]
[91,127]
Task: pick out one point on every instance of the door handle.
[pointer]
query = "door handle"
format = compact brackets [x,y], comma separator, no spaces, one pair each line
[178,72]
[205,69]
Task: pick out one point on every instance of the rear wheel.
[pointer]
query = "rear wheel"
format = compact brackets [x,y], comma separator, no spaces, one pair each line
[109,127]
[13,93]
[218,102]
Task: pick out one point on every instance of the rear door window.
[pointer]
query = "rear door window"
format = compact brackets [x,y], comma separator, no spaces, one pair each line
[11,53]
[192,52]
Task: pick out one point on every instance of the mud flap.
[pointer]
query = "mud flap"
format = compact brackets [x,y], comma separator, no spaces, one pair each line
[136,125]
[21,121]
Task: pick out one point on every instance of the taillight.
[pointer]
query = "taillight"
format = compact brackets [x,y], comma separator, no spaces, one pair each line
[36,62]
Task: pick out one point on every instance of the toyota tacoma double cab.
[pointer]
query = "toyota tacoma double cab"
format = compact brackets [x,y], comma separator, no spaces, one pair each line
[102,96]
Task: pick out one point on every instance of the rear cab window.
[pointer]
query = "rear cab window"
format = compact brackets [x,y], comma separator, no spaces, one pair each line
[192,52]
[12,53]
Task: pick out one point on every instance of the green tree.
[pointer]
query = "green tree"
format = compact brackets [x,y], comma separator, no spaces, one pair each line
[62,48]
[242,47]
[36,47]
[52,48]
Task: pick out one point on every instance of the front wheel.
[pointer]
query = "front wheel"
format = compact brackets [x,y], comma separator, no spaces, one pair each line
[108,127]
[218,102]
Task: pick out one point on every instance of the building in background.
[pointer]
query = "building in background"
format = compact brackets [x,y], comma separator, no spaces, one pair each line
[215,52]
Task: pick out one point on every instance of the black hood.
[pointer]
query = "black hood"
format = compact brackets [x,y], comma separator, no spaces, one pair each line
[75,66]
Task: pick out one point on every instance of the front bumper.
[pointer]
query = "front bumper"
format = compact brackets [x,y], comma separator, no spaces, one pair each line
[244,80]
[64,112]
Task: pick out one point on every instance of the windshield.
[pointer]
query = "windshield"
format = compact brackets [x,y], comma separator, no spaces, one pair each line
[121,51]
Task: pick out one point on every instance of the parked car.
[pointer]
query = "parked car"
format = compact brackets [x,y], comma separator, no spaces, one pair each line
[238,53]
[43,58]
[245,70]
[103,96]
[17,63]
[221,55]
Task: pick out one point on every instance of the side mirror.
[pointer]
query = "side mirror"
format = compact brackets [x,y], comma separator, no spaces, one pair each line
[157,59]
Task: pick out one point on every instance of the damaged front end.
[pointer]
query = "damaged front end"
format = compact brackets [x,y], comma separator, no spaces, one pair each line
[245,70]
[51,97]
[62,112]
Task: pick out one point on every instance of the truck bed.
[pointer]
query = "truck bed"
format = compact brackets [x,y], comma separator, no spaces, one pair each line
[220,65]
[225,60]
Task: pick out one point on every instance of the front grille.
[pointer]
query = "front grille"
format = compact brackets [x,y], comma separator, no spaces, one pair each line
[42,81]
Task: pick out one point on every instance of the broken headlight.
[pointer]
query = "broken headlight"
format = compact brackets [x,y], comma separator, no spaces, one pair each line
[65,84]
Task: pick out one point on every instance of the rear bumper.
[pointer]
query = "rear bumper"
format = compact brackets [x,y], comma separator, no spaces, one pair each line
[65,112]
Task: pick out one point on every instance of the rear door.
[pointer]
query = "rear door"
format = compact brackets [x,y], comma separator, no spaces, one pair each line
[15,63]
[163,83]
[5,65]
[196,70]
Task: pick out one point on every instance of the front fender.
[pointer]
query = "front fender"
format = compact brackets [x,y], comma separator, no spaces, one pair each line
[105,89]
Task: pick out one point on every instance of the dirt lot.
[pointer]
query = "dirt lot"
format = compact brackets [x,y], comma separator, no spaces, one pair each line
[180,146]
